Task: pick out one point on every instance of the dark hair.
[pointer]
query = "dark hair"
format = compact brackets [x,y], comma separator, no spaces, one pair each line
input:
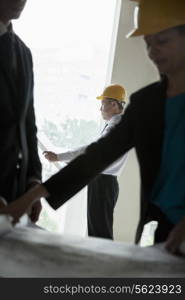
[180,29]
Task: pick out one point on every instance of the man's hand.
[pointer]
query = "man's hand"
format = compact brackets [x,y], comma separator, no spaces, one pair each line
[21,205]
[51,156]
[16,208]
[176,237]
[35,211]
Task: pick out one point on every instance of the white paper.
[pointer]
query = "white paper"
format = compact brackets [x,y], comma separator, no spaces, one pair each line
[5,224]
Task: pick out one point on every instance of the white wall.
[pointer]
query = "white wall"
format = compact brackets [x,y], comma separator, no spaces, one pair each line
[132,69]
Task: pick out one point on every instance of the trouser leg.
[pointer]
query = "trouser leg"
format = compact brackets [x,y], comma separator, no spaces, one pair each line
[102,197]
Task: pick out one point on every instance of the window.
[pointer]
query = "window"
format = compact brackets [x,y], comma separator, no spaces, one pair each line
[71,42]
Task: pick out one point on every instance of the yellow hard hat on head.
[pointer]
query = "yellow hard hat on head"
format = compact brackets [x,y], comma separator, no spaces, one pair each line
[152,16]
[113,91]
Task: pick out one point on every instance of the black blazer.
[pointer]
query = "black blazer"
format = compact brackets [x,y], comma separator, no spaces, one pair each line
[141,127]
[17,119]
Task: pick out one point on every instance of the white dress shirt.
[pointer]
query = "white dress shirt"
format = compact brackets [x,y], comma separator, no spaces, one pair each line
[116,167]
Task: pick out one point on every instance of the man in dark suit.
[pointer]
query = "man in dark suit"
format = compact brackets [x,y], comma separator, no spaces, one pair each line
[153,124]
[20,166]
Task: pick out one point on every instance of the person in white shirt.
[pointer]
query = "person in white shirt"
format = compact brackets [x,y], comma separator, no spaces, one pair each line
[104,189]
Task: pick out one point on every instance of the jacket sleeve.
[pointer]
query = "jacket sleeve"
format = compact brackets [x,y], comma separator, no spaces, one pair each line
[34,164]
[98,155]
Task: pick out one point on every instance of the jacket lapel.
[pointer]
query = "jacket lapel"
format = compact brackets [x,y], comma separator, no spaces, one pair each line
[5,62]
[23,74]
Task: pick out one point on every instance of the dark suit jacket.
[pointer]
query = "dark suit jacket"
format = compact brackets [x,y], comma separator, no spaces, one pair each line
[141,127]
[17,119]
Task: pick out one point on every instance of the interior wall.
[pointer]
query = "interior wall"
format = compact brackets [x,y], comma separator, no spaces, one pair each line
[132,69]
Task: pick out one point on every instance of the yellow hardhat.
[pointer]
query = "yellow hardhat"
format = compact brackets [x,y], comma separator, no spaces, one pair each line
[152,16]
[113,91]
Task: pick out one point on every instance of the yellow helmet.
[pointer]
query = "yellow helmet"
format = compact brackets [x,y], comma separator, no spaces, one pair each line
[152,16]
[113,91]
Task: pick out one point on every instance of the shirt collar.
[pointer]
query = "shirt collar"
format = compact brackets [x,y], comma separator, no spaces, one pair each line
[114,117]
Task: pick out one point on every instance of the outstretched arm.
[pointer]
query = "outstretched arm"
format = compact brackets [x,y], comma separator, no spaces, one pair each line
[71,179]
[64,156]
